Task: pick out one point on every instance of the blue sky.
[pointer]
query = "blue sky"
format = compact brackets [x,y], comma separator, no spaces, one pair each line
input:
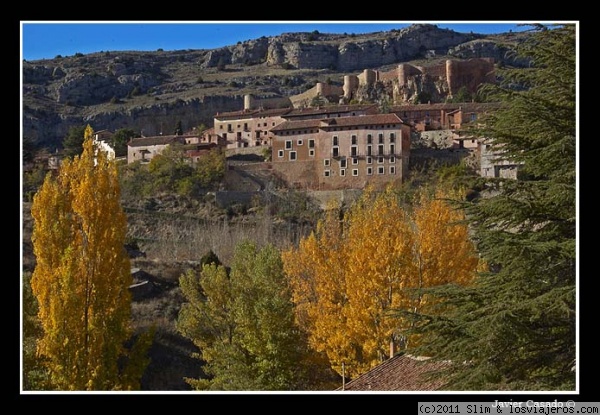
[45,40]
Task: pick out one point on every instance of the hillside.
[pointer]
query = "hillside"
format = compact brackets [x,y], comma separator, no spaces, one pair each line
[150,91]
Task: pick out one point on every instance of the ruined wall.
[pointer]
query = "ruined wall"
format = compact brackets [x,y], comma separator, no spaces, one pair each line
[251,102]
[406,71]
[368,77]
[330,93]
[351,83]
[406,81]
[435,71]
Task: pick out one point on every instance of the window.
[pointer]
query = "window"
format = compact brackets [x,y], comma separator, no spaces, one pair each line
[354,151]
[355,172]
[335,140]
[354,161]
[380,170]
[369,150]
[392,137]
[392,160]
[335,151]
[327,173]
[369,139]
[311,143]
[288,144]
[380,150]
[369,171]
[392,149]
[292,155]
[380,138]
[326,162]
[280,153]
[264,124]
[392,169]
[300,142]
[379,160]
[353,139]
[342,172]
[311,152]
[343,163]
[369,160]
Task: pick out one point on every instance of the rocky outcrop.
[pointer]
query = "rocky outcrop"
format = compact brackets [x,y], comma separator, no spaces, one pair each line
[101,88]
[486,48]
[318,51]
[48,129]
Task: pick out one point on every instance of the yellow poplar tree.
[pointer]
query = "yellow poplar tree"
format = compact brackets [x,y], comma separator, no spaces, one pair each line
[82,275]
[441,253]
[353,272]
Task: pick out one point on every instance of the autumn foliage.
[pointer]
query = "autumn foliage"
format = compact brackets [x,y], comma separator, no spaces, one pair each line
[376,257]
[82,276]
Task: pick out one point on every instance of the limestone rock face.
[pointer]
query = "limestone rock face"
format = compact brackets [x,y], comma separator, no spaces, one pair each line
[351,53]
[486,48]
[151,91]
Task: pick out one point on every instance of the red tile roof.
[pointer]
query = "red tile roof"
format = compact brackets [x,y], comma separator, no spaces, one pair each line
[328,110]
[359,120]
[466,106]
[400,373]
[242,114]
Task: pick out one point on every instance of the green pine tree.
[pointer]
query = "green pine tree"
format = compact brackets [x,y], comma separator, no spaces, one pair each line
[515,329]
[73,141]
[242,320]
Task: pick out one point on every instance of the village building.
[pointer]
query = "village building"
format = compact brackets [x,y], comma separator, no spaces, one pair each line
[492,164]
[144,149]
[330,111]
[247,128]
[102,139]
[441,116]
[341,153]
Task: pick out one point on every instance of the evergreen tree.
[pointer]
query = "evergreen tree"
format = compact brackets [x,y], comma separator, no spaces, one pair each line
[28,149]
[178,128]
[120,139]
[73,141]
[515,328]
[243,323]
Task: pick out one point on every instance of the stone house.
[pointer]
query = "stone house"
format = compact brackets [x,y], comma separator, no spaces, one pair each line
[341,153]
[492,164]
[101,139]
[194,146]
[441,116]
[247,128]
[198,151]
[330,111]
[145,148]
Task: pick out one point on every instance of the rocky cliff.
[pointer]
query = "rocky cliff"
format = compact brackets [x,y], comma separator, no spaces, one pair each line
[151,91]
